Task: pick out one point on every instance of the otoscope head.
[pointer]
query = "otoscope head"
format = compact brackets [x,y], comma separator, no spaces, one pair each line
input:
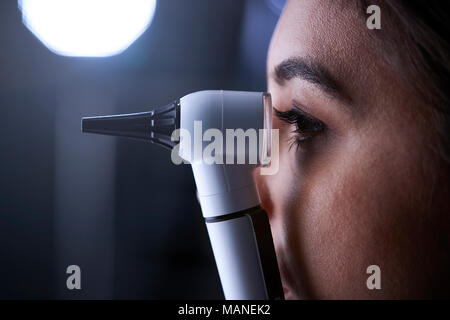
[223,187]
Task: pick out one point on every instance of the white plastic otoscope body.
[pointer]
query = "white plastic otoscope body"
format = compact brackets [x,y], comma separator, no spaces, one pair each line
[238,227]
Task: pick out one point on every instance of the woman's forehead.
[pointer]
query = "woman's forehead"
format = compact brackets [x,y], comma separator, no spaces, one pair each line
[332,35]
[320,29]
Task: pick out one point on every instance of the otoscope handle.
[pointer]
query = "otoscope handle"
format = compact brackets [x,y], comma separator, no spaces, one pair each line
[245,255]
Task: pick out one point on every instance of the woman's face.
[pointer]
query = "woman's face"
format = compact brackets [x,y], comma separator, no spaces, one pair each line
[352,187]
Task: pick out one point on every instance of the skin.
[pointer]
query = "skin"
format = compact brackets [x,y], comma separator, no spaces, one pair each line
[363,191]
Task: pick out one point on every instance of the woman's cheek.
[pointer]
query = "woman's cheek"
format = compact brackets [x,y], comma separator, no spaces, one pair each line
[352,209]
[330,228]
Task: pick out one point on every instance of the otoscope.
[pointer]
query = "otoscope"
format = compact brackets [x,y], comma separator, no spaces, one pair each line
[238,227]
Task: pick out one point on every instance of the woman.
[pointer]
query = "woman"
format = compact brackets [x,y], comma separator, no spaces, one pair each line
[364,175]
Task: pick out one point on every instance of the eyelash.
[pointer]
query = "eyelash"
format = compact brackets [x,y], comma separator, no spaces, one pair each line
[306,127]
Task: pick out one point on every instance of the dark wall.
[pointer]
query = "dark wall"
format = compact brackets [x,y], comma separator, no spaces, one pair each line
[117,208]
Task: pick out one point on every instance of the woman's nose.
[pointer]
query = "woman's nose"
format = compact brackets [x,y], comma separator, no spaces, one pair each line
[263,191]
[263,181]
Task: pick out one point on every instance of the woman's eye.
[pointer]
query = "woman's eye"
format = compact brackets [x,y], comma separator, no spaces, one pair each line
[306,126]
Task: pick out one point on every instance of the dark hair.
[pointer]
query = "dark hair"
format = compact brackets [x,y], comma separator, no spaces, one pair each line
[420,38]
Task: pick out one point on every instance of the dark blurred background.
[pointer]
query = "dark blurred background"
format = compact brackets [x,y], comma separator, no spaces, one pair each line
[118,208]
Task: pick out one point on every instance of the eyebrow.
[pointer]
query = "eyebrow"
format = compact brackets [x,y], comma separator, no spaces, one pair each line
[312,72]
